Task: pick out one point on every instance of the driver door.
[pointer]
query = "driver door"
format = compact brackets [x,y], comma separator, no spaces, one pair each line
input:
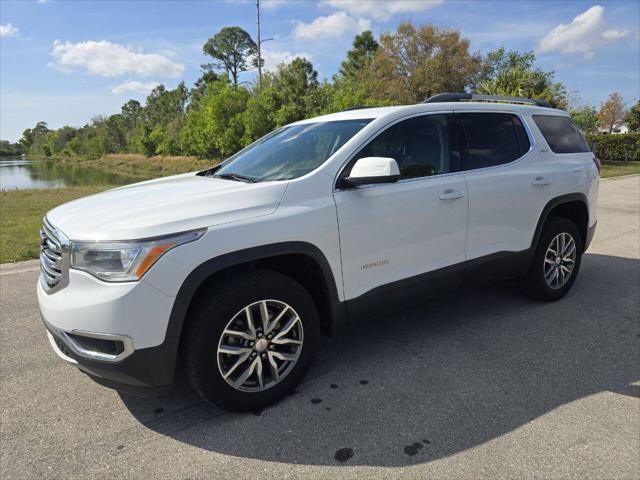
[412,229]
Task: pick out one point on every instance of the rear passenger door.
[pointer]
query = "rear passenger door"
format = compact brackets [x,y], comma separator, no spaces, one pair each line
[507,184]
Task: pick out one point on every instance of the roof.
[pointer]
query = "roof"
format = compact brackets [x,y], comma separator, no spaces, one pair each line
[378,112]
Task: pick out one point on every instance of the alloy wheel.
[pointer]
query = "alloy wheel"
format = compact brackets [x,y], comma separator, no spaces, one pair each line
[559,260]
[260,345]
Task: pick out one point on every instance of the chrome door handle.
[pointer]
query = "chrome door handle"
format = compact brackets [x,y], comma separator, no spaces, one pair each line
[541,182]
[450,194]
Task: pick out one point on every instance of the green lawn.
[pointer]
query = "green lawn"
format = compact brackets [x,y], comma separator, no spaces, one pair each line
[618,170]
[21,213]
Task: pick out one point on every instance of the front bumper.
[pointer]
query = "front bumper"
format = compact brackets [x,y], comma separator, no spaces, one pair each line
[115,333]
[147,372]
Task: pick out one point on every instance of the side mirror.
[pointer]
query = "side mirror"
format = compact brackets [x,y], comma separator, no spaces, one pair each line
[372,170]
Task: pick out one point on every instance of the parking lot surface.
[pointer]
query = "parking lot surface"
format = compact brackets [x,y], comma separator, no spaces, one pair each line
[485,384]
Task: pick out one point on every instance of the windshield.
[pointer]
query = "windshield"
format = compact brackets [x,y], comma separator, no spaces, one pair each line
[290,152]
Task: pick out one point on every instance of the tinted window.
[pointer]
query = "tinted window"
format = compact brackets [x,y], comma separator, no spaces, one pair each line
[420,146]
[493,139]
[291,151]
[561,134]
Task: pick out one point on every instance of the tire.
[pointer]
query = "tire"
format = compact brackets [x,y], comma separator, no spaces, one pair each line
[208,338]
[535,283]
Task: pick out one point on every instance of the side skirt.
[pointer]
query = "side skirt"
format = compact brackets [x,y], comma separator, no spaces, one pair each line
[390,298]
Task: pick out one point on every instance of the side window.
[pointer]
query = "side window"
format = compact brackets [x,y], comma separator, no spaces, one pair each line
[422,146]
[493,139]
[561,134]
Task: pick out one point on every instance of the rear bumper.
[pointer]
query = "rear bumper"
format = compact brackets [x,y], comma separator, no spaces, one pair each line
[591,231]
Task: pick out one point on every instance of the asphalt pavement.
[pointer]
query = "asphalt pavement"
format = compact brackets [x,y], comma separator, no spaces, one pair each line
[485,384]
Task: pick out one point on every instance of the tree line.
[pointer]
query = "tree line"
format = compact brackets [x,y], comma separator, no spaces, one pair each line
[219,114]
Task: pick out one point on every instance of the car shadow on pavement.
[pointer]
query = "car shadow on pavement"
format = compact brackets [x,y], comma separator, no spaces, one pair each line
[436,380]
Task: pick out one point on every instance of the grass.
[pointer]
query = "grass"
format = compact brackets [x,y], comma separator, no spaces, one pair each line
[138,166]
[21,213]
[618,170]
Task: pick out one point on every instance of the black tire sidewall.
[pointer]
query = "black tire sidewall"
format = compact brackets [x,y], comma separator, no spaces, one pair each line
[212,316]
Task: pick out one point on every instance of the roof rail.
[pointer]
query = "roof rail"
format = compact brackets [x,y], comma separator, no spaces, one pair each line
[458,97]
[359,107]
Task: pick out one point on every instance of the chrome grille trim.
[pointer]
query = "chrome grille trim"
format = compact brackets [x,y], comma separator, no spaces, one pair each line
[54,258]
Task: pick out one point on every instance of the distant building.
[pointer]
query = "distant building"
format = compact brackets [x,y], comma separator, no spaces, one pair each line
[617,128]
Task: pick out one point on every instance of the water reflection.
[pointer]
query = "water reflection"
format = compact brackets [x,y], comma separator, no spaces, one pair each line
[16,172]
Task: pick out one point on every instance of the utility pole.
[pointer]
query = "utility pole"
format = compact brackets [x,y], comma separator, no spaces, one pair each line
[259,46]
[259,43]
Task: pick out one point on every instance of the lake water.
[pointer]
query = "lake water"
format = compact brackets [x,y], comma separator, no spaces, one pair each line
[16,172]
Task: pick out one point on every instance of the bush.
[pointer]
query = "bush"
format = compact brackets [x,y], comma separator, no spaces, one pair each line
[616,148]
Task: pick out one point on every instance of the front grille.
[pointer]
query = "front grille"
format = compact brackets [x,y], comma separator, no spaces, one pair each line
[54,257]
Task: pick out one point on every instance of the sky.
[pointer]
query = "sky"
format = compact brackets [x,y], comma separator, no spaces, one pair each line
[64,61]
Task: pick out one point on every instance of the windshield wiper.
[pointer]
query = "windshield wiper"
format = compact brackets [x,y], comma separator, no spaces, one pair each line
[236,176]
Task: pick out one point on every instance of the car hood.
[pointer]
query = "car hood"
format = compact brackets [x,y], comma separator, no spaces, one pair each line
[164,206]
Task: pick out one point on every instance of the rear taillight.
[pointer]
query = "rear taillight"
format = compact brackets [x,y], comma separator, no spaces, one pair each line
[598,164]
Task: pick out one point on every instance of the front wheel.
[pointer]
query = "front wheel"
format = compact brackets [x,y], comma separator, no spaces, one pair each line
[252,341]
[556,261]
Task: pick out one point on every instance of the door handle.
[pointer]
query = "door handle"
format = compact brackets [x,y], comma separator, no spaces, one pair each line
[450,194]
[541,182]
[579,170]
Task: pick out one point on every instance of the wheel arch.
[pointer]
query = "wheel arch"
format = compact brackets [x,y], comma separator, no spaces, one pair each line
[572,206]
[302,261]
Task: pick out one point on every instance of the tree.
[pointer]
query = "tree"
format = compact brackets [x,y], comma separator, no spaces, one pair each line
[632,119]
[34,139]
[611,112]
[513,74]
[417,62]
[200,86]
[289,94]
[215,127]
[131,113]
[360,56]
[164,116]
[586,119]
[9,149]
[233,50]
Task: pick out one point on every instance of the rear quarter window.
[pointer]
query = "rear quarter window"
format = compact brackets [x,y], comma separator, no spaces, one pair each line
[561,134]
[493,139]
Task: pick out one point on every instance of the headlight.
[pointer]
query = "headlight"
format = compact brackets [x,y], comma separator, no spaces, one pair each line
[125,261]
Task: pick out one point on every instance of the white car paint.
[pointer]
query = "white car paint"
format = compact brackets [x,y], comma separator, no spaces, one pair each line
[170,205]
[370,236]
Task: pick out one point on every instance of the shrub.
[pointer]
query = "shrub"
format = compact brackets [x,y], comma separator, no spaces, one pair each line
[615,148]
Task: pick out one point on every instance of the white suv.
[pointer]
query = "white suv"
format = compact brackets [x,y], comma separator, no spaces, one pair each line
[229,275]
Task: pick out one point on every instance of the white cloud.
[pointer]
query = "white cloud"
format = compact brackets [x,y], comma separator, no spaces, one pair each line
[8,30]
[331,26]
[584,35]
[381,10]
[134,86]
[111,59]
[273,58]
[614,35]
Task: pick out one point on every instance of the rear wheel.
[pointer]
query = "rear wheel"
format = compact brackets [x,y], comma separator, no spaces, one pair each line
[556,261]
[251,342]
